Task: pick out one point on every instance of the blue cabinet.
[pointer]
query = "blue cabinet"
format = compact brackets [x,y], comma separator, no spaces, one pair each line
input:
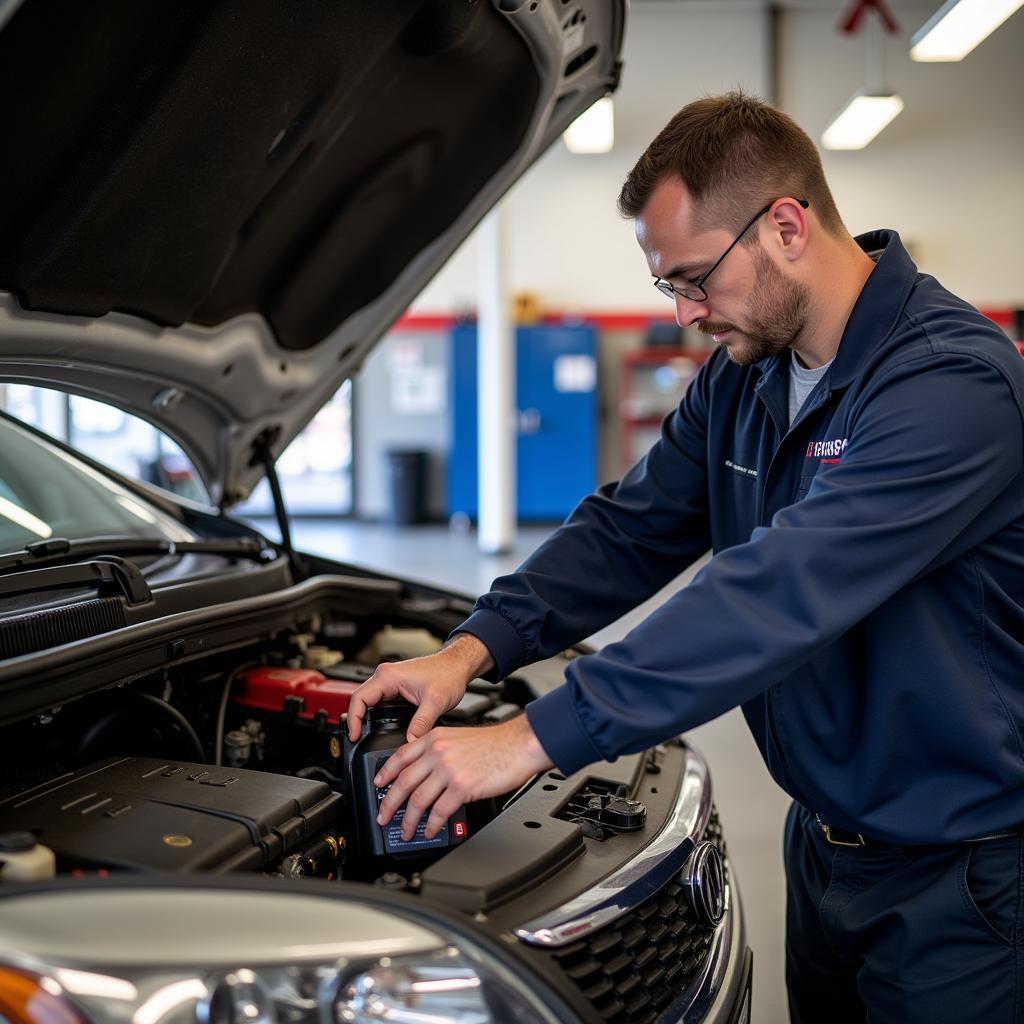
[556,403]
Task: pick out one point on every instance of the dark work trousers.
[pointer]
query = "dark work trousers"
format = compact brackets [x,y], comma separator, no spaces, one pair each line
[902,936]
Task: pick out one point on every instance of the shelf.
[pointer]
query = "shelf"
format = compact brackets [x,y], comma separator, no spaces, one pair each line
[653,382]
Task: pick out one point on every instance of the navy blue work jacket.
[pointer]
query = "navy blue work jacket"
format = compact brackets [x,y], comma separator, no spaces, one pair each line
[865,601]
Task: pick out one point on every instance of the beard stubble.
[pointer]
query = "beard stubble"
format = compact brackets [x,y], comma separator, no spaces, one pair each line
[777,314]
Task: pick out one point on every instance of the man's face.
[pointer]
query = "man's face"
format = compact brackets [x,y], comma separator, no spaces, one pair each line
[753,310]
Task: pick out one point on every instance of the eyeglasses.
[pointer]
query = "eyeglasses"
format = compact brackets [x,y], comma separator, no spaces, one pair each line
[694,290]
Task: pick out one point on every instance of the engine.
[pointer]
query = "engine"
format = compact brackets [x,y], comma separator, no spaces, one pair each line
[240,764]
[137,813]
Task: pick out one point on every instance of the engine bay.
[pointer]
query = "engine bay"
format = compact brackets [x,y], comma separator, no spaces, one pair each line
[235,762]
[218,743]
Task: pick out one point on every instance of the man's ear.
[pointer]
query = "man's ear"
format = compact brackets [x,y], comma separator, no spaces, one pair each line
[789,224]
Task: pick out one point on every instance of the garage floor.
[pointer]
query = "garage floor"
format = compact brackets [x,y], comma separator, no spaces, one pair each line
[751,805]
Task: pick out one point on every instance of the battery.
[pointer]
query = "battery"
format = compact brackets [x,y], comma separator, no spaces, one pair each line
[300,691]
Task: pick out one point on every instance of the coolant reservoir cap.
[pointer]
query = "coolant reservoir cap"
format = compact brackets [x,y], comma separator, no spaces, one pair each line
[17,842]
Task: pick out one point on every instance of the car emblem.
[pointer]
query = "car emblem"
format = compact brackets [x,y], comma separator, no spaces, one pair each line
[704,878]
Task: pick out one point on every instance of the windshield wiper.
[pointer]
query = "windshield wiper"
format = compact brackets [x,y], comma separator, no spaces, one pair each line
[106,574]
[60,549]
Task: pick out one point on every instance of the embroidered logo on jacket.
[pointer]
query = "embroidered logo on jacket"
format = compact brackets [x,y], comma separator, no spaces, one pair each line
[742,470]
[827,451]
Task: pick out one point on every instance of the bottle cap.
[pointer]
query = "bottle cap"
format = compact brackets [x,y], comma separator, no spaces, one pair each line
[17,842]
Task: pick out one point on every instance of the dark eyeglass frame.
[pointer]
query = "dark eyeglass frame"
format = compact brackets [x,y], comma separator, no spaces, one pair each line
[694,290]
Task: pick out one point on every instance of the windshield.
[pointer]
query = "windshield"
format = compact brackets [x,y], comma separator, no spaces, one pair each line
[45,492]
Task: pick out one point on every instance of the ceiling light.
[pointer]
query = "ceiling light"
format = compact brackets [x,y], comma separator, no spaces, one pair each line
[863,117]
[594,130]
[958,26]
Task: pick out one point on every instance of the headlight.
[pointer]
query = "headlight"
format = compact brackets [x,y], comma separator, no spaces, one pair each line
[415,991]
[180,955]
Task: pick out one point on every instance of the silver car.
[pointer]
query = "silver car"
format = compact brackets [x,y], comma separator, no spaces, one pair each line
[212,211]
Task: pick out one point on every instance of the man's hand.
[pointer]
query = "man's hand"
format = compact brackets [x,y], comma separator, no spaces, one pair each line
[436,683]
[448,768]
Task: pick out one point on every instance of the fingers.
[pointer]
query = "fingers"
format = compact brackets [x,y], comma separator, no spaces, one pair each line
[403,770]
[400,759]
[420,801]
[356,713]
[421,681]
[443,808]
[424,780]
[377,688]
[431,708]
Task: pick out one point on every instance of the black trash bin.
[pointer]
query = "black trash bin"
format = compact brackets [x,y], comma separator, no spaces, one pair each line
[407,480]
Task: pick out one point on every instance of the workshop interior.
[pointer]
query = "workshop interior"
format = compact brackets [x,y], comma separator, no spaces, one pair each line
[315,319]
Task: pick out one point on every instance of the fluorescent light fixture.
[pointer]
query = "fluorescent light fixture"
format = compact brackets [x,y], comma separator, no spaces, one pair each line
[958,26]
[594,130]
[862,118]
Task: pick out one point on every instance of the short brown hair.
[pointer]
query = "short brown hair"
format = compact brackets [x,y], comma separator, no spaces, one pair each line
[734,153]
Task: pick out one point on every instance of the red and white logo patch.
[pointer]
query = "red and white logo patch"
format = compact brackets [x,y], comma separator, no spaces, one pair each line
[827,451]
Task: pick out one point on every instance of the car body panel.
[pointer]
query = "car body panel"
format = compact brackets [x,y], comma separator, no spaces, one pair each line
[225,225]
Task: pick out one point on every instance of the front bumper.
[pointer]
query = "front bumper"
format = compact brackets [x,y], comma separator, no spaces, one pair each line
[633,948]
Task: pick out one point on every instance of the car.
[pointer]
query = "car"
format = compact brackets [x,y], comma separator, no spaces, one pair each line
[212,213]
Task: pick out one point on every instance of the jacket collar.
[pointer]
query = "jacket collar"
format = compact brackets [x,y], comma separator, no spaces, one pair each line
[875,312]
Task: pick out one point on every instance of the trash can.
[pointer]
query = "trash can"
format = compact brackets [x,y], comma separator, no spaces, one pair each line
[407,479]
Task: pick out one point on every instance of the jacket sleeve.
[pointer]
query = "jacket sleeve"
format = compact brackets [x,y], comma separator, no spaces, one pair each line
[618,547]
[933,445]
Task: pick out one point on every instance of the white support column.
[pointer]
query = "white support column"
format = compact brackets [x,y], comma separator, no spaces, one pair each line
[496,390]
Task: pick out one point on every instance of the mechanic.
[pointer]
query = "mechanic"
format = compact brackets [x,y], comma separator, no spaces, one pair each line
[852,454]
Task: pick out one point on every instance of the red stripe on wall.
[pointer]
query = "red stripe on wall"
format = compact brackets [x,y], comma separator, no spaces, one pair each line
[619,321]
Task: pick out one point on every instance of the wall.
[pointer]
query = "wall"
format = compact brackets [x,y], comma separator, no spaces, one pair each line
[384,419]
[947,173]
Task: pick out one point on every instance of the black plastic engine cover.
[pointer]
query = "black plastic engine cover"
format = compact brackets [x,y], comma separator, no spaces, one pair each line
[147,814]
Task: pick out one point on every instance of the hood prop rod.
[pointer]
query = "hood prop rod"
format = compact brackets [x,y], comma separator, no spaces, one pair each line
[262,453]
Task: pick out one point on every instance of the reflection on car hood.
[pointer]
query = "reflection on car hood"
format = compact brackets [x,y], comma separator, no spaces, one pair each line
[213,210]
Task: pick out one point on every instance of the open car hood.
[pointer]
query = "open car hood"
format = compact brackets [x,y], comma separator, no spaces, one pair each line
[213,209]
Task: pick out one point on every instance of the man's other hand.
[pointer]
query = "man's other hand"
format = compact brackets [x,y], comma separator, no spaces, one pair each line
[435,683]
[448,768]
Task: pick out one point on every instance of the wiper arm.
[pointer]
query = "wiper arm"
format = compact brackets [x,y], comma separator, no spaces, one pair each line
[105,574]
[60,549]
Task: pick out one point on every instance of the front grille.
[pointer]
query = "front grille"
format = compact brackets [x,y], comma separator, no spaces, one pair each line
[634,967]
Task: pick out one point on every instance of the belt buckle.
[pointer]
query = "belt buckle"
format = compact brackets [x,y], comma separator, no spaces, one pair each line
[835,841]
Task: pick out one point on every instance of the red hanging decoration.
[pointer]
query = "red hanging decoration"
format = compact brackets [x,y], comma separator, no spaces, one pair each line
[850,21]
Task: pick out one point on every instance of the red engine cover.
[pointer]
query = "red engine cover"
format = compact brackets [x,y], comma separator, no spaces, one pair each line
[267,688]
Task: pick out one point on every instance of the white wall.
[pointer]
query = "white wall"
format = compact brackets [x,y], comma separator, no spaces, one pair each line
[383,420]
[947,174]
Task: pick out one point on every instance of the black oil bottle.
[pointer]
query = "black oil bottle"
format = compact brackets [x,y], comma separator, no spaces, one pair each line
[383,732]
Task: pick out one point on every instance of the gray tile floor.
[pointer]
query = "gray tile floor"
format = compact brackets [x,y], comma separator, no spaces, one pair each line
[751,805]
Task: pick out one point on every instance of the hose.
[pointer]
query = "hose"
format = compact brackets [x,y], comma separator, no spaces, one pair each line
[179,719]
[123,715]
[315,769]
[222,710]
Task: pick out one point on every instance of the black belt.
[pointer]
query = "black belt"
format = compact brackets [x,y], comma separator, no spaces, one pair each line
[840,837]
